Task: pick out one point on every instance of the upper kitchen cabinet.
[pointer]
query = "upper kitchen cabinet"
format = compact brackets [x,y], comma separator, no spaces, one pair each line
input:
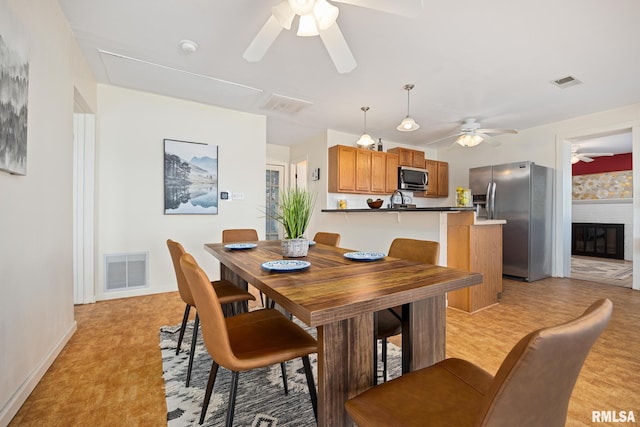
[354,170]
[342,169]
[438,185]
[408,157]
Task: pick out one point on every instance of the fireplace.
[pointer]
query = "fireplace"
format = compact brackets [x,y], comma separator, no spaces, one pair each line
[597,240]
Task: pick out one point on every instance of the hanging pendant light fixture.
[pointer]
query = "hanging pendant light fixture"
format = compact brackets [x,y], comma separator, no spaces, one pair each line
[365,140]
[408,124]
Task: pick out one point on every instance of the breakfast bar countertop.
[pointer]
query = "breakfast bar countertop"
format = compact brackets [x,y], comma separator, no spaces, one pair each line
[416,209]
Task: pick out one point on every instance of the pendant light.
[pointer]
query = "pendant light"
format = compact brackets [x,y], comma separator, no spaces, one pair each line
[365,140]
[408,124]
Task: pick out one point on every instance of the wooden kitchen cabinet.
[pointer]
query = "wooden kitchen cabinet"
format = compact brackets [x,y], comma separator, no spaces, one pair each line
[476,248]
[392,163]
[342,169]
[378,172]
[443,179]
[354,170]
[408,157]
[363,171]
[438,185]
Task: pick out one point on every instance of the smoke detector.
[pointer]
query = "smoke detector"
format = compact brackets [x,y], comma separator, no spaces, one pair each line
[188,46]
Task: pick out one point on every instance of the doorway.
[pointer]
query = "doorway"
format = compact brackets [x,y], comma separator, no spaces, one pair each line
[274,184]
[601,193]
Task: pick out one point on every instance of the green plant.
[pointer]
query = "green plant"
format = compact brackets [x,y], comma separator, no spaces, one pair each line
[294,211]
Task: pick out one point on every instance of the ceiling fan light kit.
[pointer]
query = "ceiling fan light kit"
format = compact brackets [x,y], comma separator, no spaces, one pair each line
[365,140]
[318,17]
[408,124]
[469,140]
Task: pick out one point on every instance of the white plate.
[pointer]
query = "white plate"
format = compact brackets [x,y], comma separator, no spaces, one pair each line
[285,265]
[364,256]
[240,246]
[311,243]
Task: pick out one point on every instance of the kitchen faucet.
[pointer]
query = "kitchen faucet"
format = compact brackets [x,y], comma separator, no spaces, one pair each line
[401,198]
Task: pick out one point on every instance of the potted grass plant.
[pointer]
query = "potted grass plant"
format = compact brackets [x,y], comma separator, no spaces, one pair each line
[294,213]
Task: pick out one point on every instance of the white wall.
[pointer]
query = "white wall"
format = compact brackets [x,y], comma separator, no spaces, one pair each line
[36,292]
[131,128]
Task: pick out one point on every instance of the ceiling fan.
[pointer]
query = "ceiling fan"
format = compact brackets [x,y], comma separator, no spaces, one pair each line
[471,134]
[584,157]
[318,18]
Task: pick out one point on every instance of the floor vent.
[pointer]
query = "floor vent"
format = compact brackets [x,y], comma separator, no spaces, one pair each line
[125,271]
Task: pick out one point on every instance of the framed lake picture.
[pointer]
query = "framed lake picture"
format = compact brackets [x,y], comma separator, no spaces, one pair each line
[190,178]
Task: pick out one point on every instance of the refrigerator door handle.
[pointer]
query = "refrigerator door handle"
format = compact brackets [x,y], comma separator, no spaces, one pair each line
[493,201]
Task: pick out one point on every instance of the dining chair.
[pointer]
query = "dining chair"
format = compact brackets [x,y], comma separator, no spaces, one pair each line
[246,341]
[331,239]
[389,322]
[531,388]
[236,235]
[227,292]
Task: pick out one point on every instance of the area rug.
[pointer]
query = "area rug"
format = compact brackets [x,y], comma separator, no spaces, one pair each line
[610,270]
[260,401]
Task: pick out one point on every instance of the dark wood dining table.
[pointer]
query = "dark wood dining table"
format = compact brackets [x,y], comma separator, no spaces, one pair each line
[339,297]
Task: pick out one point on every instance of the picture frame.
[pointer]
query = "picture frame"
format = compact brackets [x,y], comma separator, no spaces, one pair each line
[190,178]
[14,79]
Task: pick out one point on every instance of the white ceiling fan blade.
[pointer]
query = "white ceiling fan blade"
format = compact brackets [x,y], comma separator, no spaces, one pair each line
[489,139]
[408,8]
[497,131]
[444,138]
[595,154]
[264,39]
[338,49]
[585,158]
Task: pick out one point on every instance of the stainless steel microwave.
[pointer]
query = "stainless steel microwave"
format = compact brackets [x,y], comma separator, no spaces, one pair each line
[412,179]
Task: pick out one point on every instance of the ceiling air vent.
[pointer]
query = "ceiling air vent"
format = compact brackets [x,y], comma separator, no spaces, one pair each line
[566,82]
[285,104]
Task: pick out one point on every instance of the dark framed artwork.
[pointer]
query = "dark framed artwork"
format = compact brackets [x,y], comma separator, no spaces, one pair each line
[190,178]
[14,85]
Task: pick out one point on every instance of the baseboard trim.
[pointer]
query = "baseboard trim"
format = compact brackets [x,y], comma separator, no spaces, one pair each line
[23,392]
[135,292]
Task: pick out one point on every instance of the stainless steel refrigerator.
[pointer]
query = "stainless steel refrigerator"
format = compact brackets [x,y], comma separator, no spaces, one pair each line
[521,194]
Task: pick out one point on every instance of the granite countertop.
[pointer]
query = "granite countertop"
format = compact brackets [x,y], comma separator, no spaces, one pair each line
[417,209]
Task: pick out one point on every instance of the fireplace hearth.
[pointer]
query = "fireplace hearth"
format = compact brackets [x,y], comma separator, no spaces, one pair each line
[597,240]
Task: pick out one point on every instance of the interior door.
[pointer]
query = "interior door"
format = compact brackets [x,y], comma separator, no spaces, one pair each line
[274,184]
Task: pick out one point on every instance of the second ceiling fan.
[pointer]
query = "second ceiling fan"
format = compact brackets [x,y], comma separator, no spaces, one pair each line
[318,18]
[584,157]
[472,134]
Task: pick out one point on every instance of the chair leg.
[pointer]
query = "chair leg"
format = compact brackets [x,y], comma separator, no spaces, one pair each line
[183,327]
[194,338]
[232,398]
[311,385]
[283,368]
[384,360]
[207,395]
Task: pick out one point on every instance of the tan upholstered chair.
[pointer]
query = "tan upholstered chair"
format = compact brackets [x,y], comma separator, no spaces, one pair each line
[236,235]
[532,387]
[331,239]
[247,341]
[389,322]
[227,292]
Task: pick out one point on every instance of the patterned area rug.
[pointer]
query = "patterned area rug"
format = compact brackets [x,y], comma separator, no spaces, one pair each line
[610,270]
[614,273]
[260,402]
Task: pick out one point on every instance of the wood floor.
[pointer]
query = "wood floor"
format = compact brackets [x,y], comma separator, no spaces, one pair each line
[110,373]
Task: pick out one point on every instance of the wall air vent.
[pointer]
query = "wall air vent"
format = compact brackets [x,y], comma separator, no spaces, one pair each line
[566,82]
[125,271]
[285,104]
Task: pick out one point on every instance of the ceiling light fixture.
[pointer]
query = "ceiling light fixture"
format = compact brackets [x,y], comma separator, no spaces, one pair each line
[315,15]
[408,124]
[365,140]
[469,140]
